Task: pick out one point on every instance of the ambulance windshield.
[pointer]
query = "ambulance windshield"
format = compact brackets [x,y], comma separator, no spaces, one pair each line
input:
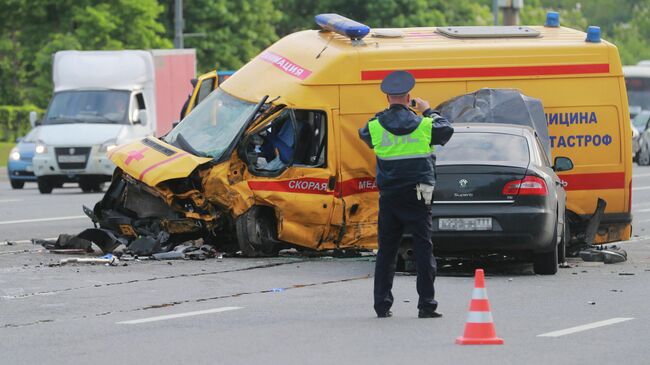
[210,128]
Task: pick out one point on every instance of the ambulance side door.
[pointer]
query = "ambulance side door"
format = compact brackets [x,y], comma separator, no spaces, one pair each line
[289,169]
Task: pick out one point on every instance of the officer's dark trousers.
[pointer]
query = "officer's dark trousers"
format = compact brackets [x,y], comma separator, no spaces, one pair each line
[402,213]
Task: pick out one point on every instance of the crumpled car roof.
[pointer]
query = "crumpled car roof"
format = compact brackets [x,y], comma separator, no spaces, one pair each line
[507,106]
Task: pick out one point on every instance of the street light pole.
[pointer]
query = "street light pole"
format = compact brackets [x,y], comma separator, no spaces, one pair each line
[510,10]
[178,24]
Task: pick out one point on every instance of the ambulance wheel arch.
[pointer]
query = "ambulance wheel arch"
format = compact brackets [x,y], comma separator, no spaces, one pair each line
[257,232]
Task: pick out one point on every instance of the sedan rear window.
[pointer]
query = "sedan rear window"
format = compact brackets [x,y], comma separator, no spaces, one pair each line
[475,147]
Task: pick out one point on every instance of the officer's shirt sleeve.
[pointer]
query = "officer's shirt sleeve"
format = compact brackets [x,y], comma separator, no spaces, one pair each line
[364,134]
[441,130]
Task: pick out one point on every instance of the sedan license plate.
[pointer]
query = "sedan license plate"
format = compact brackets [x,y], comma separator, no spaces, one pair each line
[465,224]
[71,158]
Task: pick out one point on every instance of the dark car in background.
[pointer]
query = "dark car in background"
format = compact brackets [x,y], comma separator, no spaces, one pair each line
[497,192]
[19,164]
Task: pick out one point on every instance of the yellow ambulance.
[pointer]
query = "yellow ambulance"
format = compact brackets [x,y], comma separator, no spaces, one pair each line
[215,177]
[203,86]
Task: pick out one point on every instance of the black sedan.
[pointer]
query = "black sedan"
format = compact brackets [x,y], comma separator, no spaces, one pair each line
[497,192]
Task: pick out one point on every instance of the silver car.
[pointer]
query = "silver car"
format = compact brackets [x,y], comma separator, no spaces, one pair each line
[641,139]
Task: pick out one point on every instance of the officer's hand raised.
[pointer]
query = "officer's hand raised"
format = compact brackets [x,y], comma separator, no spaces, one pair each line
[421,105]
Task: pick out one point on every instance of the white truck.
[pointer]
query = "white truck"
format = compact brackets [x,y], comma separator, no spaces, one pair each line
[103,99]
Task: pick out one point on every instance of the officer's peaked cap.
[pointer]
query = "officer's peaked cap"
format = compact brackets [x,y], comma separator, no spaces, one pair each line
[397,83]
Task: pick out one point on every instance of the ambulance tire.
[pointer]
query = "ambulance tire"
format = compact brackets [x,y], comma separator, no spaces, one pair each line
[256,232]
[643,158]
[545,263]
[44,186]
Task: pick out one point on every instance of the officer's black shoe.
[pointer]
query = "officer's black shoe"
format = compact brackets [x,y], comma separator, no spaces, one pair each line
[385,314]
[428,313]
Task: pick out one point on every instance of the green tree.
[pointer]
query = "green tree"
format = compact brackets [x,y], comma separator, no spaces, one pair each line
[299,14]
[32,30]
[234,31]
[633,38]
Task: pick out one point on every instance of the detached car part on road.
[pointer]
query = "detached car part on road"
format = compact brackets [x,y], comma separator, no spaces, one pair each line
[272,157]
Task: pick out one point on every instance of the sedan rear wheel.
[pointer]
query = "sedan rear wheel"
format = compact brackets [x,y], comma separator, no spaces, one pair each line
[545,263]
[566,237]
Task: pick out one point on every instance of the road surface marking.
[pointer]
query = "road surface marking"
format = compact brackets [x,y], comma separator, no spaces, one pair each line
[641,210]
[640,175]
[584,327]
[45,219]
[641,188]
[180,315]
[10,200]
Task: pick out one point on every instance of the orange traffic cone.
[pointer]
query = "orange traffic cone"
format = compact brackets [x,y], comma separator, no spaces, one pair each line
[479,328]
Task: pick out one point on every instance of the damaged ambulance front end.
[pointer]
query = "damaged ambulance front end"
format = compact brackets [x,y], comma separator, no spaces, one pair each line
[184,186]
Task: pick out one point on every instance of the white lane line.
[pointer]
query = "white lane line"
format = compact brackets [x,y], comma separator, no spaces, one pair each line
[641,210]
[641,188]
[179,315]
[640,175]
[45,219]
[10,200]
[584,327]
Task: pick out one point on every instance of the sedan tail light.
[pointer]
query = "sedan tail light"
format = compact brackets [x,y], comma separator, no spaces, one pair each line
[529,185]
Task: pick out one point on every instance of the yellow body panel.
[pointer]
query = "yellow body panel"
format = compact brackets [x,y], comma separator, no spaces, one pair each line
[580,84]
[212,75]
[151,166]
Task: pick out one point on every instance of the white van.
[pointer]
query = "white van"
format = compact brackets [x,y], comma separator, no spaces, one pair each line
[103,99]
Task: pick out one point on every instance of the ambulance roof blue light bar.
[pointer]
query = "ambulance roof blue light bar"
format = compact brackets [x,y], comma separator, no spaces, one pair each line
[342,25]
[552,19]
[593,34]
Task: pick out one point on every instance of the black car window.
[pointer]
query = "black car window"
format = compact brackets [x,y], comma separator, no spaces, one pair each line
[477,147]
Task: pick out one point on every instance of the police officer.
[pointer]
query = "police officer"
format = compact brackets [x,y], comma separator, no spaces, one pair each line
[403,143]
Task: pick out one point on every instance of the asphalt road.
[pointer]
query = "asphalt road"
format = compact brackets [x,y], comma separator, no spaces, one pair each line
[295,310]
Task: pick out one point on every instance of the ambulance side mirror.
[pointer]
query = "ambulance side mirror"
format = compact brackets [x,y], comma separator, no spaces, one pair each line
[562,164]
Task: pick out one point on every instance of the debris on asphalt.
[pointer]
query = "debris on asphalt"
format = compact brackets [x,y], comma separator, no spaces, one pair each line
[103,238]
[277,290]
[607,254]
[591,303]
[65,241]
[144,246]
[171,255]
[109,260]
[69,251]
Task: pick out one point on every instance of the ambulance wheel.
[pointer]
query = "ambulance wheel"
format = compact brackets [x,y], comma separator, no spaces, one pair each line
[256,232]
[44,186]
[643,159]
[17,184]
